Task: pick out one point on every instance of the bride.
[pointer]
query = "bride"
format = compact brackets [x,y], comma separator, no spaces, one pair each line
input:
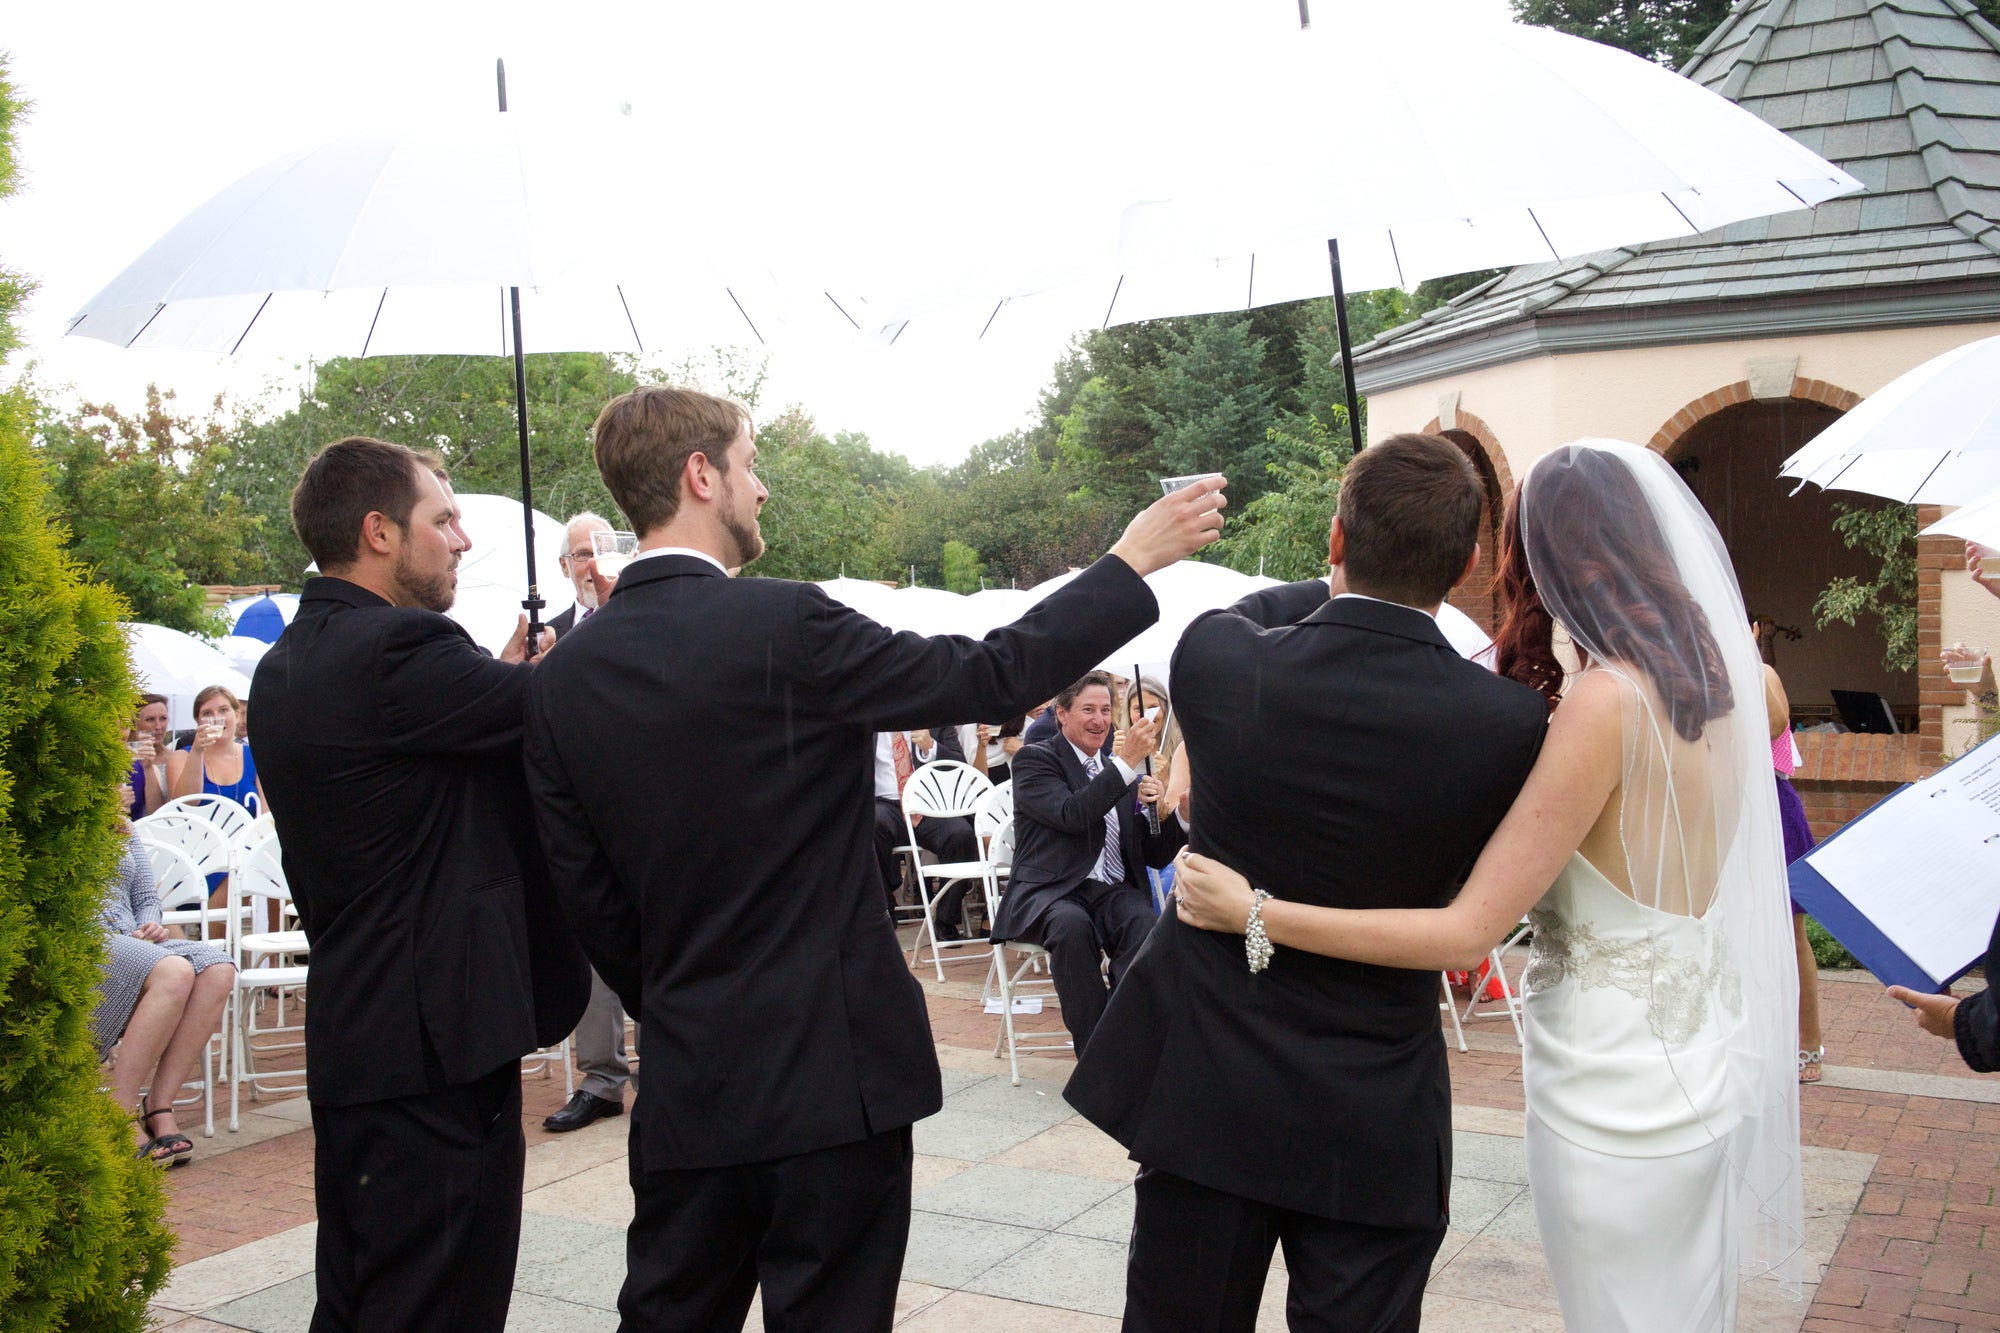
[1662,1107]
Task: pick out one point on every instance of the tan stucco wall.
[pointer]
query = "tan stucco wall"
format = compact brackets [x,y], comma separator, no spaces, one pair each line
[1531,406]
[1534,405]
[1969,615]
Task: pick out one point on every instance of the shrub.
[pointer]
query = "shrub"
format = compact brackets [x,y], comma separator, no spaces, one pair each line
[1828,951]
[82,1241]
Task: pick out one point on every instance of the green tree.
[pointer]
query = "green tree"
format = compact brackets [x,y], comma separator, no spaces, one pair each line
[1283,533]
[1888,533]
[819,517]
[141,505]
[962,567]
[82,1242]
[1663,31]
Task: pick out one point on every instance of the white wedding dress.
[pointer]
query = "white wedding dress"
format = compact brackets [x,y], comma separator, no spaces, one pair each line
[1661,1011]
[1627,1154]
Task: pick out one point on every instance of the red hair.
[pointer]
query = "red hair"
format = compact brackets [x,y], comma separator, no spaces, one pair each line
[1621,593]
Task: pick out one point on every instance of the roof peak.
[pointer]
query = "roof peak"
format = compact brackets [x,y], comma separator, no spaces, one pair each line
[1903,94]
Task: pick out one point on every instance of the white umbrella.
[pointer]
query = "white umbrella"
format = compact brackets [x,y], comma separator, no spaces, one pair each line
[243,651]
[445,237]
[1502,144]
[1929,436]
[1184,590]
[493,576]
[180,666]
[990,608]
[1976,522]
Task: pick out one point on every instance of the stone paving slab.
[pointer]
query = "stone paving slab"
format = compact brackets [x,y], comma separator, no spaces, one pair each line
[1023,1211]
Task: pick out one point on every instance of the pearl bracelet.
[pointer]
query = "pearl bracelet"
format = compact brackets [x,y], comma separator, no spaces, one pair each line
[1256,944]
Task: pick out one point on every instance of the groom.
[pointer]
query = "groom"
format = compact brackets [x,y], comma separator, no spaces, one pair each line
[1342,754]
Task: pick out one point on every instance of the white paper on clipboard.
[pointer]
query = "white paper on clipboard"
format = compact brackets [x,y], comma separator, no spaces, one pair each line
[1924,866]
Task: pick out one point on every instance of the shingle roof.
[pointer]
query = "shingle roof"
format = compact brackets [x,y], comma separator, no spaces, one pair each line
[1904,94]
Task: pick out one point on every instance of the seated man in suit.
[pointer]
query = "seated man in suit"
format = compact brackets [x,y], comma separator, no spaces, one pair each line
[899,754]
[1081,848]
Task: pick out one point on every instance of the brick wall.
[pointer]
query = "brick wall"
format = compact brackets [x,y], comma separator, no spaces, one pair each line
[1842,775]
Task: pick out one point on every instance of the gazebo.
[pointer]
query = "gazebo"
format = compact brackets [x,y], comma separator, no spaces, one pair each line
[1728,350]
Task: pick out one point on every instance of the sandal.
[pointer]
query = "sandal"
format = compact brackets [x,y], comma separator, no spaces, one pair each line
[1809,1064]
[172,1149]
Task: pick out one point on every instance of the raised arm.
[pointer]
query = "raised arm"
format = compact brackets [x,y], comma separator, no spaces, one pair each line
[1575,775]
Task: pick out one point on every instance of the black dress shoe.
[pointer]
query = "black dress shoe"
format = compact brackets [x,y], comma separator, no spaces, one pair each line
[583,1107]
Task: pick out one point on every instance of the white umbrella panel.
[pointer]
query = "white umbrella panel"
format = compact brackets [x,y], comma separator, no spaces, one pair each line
[180,666]
[1929,436]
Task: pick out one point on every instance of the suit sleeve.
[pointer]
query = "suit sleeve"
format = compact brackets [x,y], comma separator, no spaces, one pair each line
[883,680]
[1286,604]
[948,746]
[1041,794]
[442,695]
[596,904]
[1976,1022]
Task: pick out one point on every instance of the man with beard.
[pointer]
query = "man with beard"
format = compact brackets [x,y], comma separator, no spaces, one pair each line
[700,753]
[390,745]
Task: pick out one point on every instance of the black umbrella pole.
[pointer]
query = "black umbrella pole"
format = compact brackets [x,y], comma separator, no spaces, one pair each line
[1346,346]
[534,603]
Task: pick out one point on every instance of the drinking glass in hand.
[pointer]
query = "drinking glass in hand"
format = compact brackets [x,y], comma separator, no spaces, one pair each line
[613,551]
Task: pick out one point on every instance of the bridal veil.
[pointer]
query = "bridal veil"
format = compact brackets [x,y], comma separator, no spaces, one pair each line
[1628,563]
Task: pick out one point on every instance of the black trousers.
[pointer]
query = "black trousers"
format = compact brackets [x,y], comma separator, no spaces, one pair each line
[949,839]
[1200,1256]
[419,1202]
[822,1233]
[1092,919]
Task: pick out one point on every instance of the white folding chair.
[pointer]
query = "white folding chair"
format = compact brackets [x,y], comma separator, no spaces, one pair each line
[1012,979]
[541,1061]
[1510,1001]
[259,878]
[231,819]
[943,789]
[200,839]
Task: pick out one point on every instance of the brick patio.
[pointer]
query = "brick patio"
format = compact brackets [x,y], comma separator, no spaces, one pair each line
[1903,1159]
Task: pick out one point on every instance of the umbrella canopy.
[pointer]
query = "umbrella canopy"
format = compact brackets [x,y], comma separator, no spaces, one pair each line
[180,666]
[493,575]
[243,651]
[1184,589]
[406,241]
[262,618]
[1504,144]
[1976,522]
[1929,436]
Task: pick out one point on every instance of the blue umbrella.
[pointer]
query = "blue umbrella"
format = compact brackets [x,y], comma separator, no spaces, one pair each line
[262,619]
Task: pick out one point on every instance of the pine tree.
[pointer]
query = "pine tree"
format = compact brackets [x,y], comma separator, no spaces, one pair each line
[82,1242]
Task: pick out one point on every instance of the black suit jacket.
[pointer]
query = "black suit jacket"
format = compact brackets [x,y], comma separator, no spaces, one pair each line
[1349,760]
[1976,1021]
[390,746]
[565,622]
[1059,832]
[701,753]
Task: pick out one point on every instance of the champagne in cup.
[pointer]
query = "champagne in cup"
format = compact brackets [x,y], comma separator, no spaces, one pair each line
[613,551]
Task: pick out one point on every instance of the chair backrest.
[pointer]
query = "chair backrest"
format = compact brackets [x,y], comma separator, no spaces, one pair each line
[998,856]
[179,879]
[232,820]
[260,876]
[944,788]
[202,841]
[995,812]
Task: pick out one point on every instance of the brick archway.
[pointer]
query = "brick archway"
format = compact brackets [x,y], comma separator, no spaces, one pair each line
[1914,757]
[1475,595]
[1729,395]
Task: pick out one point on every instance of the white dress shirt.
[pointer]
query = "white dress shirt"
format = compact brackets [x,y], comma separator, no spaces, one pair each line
[885,763]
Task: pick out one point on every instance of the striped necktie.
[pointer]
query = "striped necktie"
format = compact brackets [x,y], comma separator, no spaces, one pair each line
[1111,861]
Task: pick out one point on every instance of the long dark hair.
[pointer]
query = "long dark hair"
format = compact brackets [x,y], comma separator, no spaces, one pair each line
[1621,593]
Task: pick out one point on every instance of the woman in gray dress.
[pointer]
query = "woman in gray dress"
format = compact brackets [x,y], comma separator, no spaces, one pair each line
[160,1001]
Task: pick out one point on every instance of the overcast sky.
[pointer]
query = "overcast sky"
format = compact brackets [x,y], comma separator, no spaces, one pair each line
[142,111]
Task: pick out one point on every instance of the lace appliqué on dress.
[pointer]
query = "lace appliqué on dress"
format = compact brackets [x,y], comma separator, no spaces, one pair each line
[1675,989]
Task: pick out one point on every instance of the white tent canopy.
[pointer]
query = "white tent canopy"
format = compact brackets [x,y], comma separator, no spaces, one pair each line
[492,575]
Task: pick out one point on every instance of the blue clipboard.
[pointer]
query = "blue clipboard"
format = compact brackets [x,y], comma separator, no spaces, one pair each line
[1856,933]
